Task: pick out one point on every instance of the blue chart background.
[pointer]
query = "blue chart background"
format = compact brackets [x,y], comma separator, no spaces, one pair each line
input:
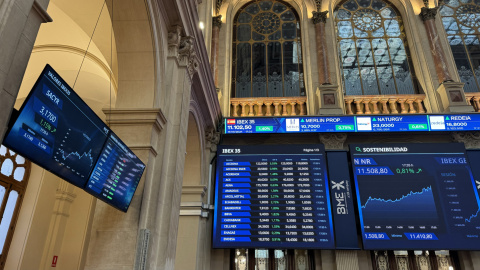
[423,199]
[256,154]
[77,141]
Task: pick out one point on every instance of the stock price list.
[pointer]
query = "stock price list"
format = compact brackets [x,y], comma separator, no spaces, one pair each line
[416,196]
[271,196]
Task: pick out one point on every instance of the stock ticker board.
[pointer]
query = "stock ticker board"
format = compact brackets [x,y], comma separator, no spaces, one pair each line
[57,130]
[272,196]
[377,123]
[416,196]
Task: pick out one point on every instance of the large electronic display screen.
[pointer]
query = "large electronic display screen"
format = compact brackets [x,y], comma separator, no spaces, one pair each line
[116,174]
[272,196]
[57,130]
[416,196]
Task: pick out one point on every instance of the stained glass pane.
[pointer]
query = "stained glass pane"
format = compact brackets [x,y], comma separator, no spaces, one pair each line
[3,150]
[275,88]
[289,30]
[7,167]
[351,5]
[450,25]
[279,8]
[367,68]
[345,29]
[288,16]
[19,174]
[253,9]
[243,82]
[276,36]
[378,5]
[244,18]
[259,70]
[243,32]
[265,5]
[350,67]
[392,28]
[7,216]
[343,14]
[290,70]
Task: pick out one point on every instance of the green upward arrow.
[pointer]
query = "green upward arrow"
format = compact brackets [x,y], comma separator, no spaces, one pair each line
[374,119]
[302,120]
[447,118]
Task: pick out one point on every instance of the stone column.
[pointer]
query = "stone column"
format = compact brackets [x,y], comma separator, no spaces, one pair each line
[439,58]
[216,25]
[319,19]
[19,24]
[183,62]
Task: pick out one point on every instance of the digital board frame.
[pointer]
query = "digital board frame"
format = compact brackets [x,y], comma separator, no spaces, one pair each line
[58,131]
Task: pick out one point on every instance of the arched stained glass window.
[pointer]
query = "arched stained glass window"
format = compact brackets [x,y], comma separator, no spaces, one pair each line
[267,51]
[14,173]
[373,49]
[461,19]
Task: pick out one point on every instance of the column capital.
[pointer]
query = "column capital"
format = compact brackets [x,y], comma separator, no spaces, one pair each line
[217,21]
[319,17]
[212,136]
[428,13]
[470,139]
[333,140]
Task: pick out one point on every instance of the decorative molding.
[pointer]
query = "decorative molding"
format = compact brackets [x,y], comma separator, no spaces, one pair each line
[318,4]
[212,136]
[218,5]
[187,55]
[333,140]
[41,11]
[173,40]
[135,117]
[81,52]
[470,139]
[428,13]
[319,16]
[217,21]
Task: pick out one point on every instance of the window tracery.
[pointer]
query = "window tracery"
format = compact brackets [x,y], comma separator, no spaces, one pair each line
[461,20]
[373,49]
[267,51]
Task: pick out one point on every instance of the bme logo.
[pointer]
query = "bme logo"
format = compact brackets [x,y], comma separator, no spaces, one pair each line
[338,186]
[293,124]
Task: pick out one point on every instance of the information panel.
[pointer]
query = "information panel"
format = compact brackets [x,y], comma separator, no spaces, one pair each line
[377,123]
[116,174]
[57,130]
[416,196]
[272,196]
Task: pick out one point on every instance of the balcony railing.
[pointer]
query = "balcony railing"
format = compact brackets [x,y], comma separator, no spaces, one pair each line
[268,106]
[473,98]
[384,104]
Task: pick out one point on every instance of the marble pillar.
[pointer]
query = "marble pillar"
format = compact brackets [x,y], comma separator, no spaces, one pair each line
[217,24]
[319,19]
[439,58]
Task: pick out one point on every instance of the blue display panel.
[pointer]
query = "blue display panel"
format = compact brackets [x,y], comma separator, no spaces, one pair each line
[272,196]
[57,130]
[377,123]
[416,196]
[116,174]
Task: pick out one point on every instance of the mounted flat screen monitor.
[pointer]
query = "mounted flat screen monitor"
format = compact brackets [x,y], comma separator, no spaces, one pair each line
[57,130]
[272,196]
[416,196]
[116,174]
